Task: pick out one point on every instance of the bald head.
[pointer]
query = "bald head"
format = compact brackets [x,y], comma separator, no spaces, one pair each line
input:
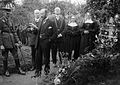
[57,10]
[36,13]
[43,12]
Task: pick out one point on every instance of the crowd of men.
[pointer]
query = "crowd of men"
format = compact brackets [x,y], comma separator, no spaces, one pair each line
[54,34]
[48,33]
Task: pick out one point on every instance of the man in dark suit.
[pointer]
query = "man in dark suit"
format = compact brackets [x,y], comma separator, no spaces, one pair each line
[44,37]
[59,25]
[9,41]
[32,33]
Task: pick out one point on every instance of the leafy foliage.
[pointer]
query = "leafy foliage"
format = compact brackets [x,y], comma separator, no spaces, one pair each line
[103,7]
[100,62]
[87,68]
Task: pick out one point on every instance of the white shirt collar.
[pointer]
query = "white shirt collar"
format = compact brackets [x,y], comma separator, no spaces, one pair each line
[88,21]
[37,19]
[73,24]
[57,17]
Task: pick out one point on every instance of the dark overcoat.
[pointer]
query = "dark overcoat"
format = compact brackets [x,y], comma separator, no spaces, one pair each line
[88,39]
[71,38]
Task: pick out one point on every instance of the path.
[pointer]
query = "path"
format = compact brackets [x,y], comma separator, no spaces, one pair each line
[16,79]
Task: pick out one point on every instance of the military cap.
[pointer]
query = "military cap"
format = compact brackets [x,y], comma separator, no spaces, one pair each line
[5,9]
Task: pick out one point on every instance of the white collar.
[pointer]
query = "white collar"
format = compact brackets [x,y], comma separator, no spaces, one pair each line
[57,17]
[88,21]
[37,19]
[73,24]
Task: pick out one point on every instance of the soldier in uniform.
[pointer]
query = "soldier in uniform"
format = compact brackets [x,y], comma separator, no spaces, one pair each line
[32,34]
[9,41]
[43,40]
[59,25]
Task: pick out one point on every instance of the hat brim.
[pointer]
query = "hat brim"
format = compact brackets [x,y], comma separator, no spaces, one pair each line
[5,9]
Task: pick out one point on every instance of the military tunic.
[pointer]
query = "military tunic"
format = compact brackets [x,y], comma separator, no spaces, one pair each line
[8,36]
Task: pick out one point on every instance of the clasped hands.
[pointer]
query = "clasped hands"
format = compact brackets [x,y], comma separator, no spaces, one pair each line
[60,35]
[32,25]
[19,44]
[86,31]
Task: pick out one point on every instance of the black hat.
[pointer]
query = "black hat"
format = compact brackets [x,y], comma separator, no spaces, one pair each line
[5,9]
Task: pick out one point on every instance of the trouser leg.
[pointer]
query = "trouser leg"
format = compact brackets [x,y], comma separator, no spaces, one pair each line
[76,48]
[46,53]
[33,50]
[5,59]
[76,54]
[5,64]
[15,55]
[54,53]
[69,55]
[39,58]
[47,58]
[46,49]
[17,61]
[60,57]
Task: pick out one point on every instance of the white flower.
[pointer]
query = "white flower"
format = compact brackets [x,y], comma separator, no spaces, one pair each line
[59,75]
[60,69]
[57,81]
[31,29]
[50,27]
[63,70]
[115,40]
[102,40]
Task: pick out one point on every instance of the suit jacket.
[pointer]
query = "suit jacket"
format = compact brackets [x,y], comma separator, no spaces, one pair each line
[46,31]
[32,34]
[59,25]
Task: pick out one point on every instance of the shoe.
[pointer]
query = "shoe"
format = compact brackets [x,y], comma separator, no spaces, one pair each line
[37,74]
[7,74]
[46,71]
[20,71]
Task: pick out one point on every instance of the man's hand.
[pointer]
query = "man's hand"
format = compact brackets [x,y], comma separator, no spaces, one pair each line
[49,40]
[60,35]
[32,25]
[19,44]
[2,47]
[86,31]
